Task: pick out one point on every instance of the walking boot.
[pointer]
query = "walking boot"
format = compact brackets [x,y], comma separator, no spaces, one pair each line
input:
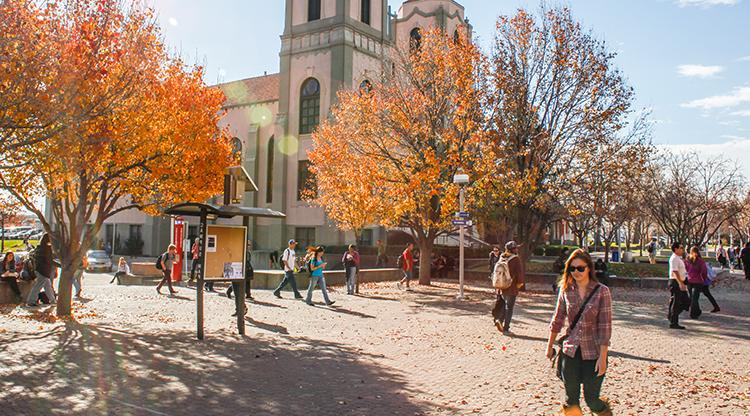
[571,411]
[607,411]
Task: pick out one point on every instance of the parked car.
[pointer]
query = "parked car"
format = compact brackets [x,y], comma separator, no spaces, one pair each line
[98,261]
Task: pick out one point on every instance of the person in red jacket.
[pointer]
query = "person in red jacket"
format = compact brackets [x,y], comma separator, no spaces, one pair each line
[407,266]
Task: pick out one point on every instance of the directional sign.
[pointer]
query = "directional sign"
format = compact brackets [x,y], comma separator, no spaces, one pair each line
[464,223]
[463,215]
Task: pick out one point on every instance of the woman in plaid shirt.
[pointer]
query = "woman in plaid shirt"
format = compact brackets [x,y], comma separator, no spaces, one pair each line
[584,352]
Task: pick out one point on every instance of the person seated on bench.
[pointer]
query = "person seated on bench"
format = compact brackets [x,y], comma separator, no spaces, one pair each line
[9,275]
[122,270]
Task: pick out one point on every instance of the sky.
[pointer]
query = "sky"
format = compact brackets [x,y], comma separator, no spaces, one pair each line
[688,60]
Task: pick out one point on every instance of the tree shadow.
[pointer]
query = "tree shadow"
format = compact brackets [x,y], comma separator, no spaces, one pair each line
[85,369]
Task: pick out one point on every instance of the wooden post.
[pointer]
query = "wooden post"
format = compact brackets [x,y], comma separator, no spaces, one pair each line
[241,309]
[201,272]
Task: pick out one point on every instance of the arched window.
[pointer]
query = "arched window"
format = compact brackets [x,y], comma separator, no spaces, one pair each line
[456,37]
[269,170]
[365,11]
[237,148]
[365,86]
[313,10]
[415,39]
[309,114]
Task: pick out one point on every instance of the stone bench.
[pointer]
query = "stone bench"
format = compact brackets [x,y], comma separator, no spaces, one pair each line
[6,293]
[143,269]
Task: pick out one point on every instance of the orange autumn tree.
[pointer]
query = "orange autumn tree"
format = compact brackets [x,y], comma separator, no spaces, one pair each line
[389,151]
[150,137]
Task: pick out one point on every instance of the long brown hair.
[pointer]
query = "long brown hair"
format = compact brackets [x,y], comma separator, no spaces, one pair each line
[695,254]
[566,280]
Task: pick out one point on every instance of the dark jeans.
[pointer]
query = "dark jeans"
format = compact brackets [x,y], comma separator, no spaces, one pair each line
[117,276]
[11,281]
[194,267]
[233,289]
[746,264]
[503,310]
[288,279]
[675,302]
[382,261]
[706,290]
[166,279]
[577,371]
[695,294]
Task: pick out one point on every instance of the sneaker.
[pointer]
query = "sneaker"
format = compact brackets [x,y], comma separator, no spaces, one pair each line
[676,327]
[277,294]
[408,289]
[716,309]
[297,297]
[331,303]
[158,291]
[310,303]
[499,326]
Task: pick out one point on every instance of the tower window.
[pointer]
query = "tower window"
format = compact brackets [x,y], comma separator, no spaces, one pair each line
[306,183]
[309,106]
[237,149]
[313,10]
[365,11]
[269,171]
[415,39]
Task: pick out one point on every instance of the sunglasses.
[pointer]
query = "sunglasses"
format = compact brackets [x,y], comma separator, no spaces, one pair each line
[579,269]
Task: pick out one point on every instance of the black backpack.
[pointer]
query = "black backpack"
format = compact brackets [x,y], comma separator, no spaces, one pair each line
[158,261]
[650,248]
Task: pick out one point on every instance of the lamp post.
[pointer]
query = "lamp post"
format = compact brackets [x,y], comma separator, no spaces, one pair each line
[461,179]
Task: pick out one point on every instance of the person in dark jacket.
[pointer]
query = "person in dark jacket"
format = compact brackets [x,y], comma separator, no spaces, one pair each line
[43,268]
[506,298]
[745,258]
[494,257]
[9,275]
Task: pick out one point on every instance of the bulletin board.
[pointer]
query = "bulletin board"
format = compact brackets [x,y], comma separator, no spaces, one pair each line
[227,248]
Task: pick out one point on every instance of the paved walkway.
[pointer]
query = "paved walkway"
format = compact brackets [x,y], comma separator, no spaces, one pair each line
[133,352]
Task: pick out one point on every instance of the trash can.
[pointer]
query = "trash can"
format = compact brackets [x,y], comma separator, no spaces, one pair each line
[616,256]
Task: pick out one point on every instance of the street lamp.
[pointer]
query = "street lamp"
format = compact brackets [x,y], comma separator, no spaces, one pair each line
[461,179]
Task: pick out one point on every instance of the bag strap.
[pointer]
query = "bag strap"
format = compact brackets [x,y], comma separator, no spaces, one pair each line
[580,311]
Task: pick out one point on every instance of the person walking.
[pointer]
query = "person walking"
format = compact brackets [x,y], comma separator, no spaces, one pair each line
[731,257]
[382,260]
[78,277]
[587,305]
[721,256]
[249,274]
[316,277]
[602,271]
[494,257]
[506,298]
[9,275]
[196,261]
[677,285]
[122,270]
[697,275]
[167,259]
[288,261]
[652,248]
[706,288]
[407,266]
[745,259]
[43,265]
[351,261]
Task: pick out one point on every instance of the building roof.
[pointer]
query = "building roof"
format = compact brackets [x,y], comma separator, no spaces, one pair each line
[251,90]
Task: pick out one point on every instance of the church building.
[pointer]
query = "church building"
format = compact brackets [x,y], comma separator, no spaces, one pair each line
[327,45]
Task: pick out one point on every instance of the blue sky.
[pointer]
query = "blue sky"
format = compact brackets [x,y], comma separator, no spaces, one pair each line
[688,60]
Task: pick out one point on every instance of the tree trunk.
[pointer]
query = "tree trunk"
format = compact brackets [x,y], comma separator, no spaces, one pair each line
[65,290]
[425,254]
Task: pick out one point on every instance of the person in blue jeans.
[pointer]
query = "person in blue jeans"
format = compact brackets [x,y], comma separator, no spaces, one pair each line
[288,261]
[316,277]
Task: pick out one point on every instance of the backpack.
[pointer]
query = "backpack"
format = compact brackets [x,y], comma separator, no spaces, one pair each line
[158,261]
[27,272]
[400,261]
[650,248]
[501,278]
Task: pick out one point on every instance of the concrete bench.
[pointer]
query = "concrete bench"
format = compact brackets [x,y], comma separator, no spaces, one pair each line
[144,269]
[6,293]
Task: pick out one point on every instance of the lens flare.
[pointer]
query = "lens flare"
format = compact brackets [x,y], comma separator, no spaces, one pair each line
[288,145]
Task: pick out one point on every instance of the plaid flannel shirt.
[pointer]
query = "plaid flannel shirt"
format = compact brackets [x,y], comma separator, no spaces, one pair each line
[593,330]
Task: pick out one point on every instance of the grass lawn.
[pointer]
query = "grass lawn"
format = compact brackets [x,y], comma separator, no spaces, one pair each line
[17,245]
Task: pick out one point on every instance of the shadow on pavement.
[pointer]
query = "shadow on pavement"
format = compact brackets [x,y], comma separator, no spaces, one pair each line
[267,327]
[85,369]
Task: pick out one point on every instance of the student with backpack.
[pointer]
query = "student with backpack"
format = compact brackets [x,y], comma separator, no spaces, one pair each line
[164,263]
[43,268]
[288,261]
[507,278]
[317,265]
[651,248]
[406,263]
